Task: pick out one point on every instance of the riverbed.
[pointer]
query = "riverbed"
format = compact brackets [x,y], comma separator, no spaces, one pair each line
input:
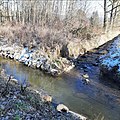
[99,100]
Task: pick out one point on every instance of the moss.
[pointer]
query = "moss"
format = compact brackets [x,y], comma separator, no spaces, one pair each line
[21,106]
[58,62]
[17,117]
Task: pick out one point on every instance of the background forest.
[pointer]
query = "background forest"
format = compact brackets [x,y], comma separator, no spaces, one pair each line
[56,21]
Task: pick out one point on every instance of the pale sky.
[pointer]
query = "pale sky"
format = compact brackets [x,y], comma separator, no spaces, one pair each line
[97,5]
[94,5]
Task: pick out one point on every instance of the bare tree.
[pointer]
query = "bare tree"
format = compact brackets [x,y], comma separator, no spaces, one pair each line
[105,14]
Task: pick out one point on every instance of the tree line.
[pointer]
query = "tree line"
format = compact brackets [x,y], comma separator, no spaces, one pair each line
[35,11]
[51,12]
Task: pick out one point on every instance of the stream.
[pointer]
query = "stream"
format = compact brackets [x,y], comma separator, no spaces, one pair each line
[99,100]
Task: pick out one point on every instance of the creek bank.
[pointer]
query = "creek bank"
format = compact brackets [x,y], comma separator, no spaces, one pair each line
[36,58]
[103,60]
[29,104]
[110,62]
[53,61]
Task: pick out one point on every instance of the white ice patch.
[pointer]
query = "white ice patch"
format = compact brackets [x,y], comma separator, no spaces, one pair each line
[112,58]
[24,51]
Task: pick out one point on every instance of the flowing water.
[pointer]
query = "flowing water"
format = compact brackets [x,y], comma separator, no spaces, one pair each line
[97,101]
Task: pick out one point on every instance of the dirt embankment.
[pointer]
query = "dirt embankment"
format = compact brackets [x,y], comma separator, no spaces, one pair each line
[110,62]
[77,47]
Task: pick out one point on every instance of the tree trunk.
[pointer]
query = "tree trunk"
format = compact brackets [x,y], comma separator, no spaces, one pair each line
[105,15]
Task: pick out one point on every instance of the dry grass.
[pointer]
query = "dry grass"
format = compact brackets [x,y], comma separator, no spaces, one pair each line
[30,33]
[48,38]
[52,35]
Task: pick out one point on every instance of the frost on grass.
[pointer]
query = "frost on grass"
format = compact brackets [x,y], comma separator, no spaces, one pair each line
[112,58]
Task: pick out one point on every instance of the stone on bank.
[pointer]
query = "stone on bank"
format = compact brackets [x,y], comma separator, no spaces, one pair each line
[36,59]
